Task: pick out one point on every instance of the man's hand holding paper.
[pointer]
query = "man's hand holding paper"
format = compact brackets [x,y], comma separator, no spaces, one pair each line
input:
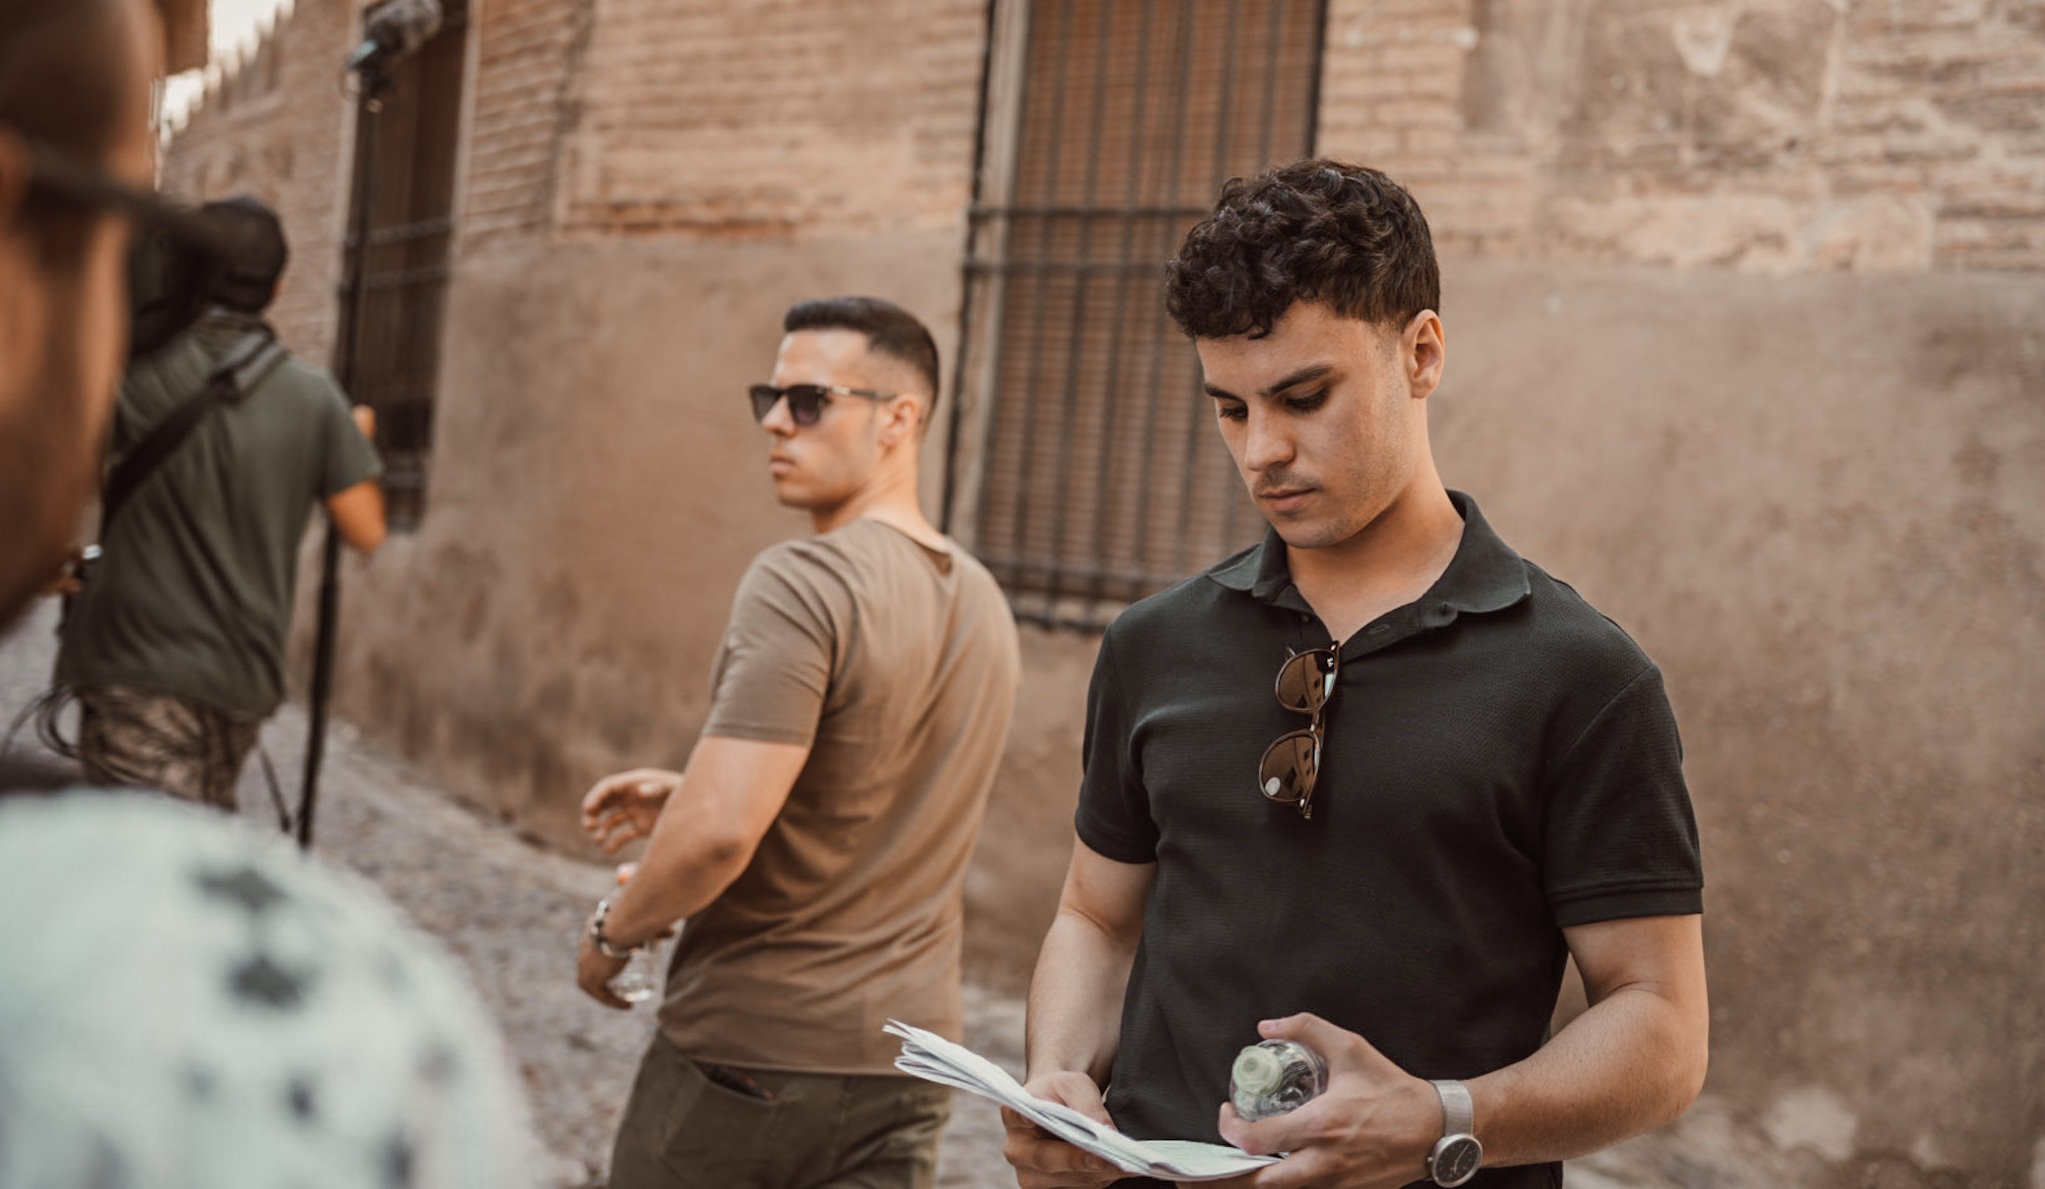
[1074,1116]
[1041,1159]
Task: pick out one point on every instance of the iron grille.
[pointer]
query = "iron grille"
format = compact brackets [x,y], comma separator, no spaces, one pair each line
[391,325]
[1092,474]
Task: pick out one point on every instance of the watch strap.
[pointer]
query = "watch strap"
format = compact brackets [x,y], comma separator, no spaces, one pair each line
[1458,1113]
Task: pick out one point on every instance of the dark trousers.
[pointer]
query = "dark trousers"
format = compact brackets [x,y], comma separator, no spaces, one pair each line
[691,1125]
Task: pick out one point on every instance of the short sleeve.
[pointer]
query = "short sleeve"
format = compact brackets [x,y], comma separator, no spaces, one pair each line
[1114,807]
[1621,835]
[774,667]
[349,458]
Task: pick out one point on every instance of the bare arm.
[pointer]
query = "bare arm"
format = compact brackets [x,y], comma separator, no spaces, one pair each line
[706,833]
[1075,1011]
[357,512]
[1631,1062]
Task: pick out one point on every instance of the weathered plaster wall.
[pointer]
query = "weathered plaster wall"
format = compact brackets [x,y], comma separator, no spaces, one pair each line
[1819,502]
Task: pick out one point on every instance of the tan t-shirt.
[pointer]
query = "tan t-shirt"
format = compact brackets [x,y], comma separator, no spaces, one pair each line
[898,665]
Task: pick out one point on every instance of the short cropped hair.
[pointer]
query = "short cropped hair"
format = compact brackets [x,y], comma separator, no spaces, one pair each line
[1322,231]
[61,88]
[248,278]
[890,330]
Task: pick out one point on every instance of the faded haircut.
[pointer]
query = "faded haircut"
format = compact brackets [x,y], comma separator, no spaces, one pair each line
[890,330]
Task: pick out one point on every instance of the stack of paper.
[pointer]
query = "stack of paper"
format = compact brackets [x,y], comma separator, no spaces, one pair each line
[933,1058]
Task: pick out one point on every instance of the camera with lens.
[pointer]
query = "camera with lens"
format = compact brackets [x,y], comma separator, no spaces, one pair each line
[173,275]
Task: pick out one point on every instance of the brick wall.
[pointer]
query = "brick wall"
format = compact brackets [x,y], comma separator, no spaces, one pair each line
[1771,135]
[276,125]
[529,54]
[775,117]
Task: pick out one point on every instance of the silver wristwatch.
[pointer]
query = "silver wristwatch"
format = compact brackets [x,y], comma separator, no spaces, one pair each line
[604,945]
[1457,1154]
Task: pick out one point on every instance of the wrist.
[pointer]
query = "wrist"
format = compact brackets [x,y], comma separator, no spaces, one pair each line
[600,933]
[1455,1155]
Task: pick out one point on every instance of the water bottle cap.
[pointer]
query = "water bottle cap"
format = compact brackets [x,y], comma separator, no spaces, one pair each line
[1257,1070]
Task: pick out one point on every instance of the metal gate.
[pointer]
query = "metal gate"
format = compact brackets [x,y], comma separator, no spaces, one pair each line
[390,326]
[1089,470]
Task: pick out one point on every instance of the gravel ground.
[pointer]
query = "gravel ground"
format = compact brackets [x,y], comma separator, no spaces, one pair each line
[509,910]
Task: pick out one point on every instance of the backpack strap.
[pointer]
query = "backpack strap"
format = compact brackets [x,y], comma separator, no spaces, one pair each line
[248,363]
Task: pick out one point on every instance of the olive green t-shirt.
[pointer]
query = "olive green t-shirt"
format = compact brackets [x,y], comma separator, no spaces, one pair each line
[897,664]
[193,593]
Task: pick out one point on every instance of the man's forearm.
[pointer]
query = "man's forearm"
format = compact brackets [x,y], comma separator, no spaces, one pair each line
[1075,1005]
[682,871]
[707,831]
[1629,1064]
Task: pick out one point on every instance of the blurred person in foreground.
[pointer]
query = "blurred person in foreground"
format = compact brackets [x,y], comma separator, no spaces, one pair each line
[184,1004]
[175,645]
[817,841]
[1369,784]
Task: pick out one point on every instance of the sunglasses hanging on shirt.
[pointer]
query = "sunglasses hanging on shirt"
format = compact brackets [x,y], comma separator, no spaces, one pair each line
[1292,764]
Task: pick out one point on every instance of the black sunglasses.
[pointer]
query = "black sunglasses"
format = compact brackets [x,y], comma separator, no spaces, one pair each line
[173,255]
[60,175]
[805,401]
[1292,764]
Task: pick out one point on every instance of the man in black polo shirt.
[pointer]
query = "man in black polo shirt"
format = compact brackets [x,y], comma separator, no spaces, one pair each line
[1466,774]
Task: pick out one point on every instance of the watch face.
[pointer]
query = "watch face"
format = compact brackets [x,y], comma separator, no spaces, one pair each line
[1456,1161]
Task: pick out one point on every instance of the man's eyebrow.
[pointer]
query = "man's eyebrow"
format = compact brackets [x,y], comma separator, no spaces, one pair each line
[1313,371]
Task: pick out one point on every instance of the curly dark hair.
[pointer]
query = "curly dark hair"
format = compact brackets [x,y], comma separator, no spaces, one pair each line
[1318,230]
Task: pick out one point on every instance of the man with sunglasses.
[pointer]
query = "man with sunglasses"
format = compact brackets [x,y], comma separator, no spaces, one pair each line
[817,841]
[1369,784]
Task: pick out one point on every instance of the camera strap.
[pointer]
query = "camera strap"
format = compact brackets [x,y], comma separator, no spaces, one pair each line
[248,363]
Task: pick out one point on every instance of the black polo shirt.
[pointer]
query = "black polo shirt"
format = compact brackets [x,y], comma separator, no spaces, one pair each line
[1500,762]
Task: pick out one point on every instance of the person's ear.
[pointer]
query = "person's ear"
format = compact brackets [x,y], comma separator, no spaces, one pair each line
[900,419]
[1423,353]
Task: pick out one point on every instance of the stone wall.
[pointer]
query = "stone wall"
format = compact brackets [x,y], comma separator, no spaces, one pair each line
[1762,135]
[530,56]
[761,120]
[277,124]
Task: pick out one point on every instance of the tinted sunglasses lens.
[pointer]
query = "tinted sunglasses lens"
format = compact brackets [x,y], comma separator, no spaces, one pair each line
[805,403]
[1289,768]
[1306,681]
[763,397]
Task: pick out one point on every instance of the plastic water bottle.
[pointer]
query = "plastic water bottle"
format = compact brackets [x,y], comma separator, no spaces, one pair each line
[639,979]
[1272,1077]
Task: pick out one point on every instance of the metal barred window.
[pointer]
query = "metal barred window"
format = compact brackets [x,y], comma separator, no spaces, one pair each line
[1085,468]
[390,327]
